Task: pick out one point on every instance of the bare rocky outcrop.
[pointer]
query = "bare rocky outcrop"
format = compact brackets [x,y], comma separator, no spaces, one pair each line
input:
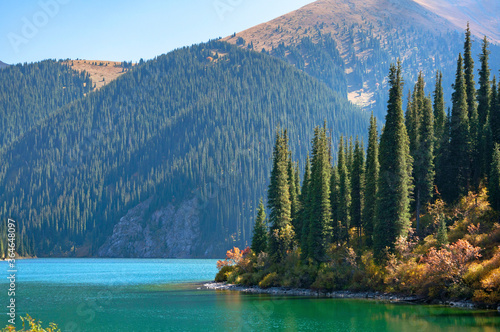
[171,231]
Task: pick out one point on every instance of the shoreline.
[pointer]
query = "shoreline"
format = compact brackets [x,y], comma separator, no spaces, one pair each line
[367,295]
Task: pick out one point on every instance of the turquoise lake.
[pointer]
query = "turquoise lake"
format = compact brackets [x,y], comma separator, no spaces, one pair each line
[164,295]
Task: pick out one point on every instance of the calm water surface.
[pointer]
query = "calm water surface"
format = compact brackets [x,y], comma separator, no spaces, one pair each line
[163,295]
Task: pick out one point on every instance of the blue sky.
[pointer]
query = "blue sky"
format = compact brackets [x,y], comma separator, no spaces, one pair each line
[123,30]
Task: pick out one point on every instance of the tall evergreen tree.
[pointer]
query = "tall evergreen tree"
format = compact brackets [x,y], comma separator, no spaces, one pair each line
[259,238]
[344,197]
[485,144]
[371,182]
[439,111]
[357,187]
[423,163]
[279,203]
[484,92]
[302,223]
[494,180]
[393,217]
[459,154]
[320,197]
[472,112]
[334,201]
[441,133]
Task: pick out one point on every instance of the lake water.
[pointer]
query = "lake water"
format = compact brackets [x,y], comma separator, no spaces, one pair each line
[162,295]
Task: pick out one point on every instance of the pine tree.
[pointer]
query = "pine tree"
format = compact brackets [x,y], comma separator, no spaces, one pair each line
[485,144]
[393,217]
[494,180]
[472,112]
[357,187]
[279,203]
[371,182]
[294,199]
[484,92]
[439,111]
[301,225]
[334,202]
[459,155]
[259,238]
[441,133]
[424,160]
[319,230]
[344,196]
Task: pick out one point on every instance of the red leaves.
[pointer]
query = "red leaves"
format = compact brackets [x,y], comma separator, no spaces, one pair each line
[233,257]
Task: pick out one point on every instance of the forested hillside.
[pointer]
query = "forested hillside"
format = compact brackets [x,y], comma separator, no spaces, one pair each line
[31,92]
[350,44]
[195,123]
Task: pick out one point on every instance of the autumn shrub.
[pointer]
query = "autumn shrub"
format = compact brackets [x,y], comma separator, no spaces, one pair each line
[270,280]
[485,278]
[373,273]
[446,267]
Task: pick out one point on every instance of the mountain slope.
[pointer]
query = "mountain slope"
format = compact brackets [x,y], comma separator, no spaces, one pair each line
[483,15]
[358,40]
[3,65]
[30,93]
[197,123]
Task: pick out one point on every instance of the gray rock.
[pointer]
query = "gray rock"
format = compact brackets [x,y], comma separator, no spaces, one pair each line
[171,231]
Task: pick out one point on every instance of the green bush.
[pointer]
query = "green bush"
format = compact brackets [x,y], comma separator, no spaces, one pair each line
[223,274]
[269,280]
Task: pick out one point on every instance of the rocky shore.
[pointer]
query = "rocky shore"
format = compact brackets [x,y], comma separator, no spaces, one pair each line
[387,297]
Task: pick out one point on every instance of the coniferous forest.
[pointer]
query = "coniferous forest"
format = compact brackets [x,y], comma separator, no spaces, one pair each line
[416,212]
[195,123]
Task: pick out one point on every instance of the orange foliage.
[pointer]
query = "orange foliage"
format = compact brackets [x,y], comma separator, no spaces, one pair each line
[450,263]
[233,257]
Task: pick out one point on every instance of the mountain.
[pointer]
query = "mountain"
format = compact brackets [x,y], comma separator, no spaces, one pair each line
[3,65]
[349,44]
[167,160]
[483,15]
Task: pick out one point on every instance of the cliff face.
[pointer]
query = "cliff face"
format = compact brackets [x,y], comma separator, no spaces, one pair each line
[172,231]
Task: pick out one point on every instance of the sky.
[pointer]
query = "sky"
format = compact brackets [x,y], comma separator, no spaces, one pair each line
[123,30]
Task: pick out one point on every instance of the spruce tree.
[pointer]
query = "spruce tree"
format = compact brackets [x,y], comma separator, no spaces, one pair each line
[279,203]
[439,111]
[357,187]
[319,230]
[301,224]
[334,202]
[423,163]
[459,154]
[494,179]
[472,112]
[441,133]
[371,182]
[484,103]
[484,92]
[259,238]
[344,197]
[393,217]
